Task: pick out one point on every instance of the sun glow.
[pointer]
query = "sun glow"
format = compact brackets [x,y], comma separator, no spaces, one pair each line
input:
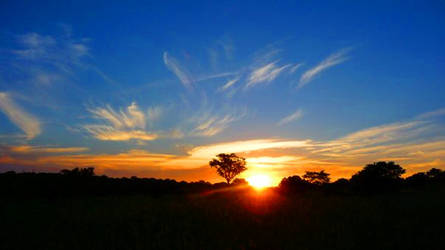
[259,181]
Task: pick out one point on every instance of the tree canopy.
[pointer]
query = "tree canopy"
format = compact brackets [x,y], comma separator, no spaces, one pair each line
[318,178]
[228,166]
[379,171]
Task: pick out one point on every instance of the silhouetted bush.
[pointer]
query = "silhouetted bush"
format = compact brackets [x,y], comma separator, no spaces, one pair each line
[417,180]
[294,184]
[340,186]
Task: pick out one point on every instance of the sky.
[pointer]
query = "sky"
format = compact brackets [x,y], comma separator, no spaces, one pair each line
[157,89]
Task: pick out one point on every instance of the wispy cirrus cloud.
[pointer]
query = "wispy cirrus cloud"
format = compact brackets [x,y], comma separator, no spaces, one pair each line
[41,150]
[330,61]
[153,114]
[295,67]
[228,84]
[120,125]
[292,117]
[109,133]
[266,73]
[62,53]
[132,117]
[432,114]
[22,119]
[42,60]
[213,125]
[181,72]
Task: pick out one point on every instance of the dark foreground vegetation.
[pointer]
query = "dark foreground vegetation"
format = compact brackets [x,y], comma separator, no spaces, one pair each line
[75,209]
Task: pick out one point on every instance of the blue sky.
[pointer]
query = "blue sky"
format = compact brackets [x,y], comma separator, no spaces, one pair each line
[145,88]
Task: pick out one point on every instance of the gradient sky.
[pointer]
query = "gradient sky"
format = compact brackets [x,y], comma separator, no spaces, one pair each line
[157,89]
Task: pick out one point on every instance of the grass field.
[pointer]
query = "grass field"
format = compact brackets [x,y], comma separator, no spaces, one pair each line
[240,219]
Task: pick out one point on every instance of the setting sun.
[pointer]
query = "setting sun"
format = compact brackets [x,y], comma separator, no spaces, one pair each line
[259,181]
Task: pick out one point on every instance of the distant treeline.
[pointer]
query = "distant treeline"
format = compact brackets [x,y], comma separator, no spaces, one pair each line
[378,177]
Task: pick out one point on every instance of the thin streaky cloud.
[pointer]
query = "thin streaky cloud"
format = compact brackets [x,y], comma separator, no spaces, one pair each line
[432,114]
[265,73]
[219,75]
[39,149]
[330,61]
[295,67]
[182,73]
[292,117]
[214,125]
[109,133]
[22,119]
[228,84]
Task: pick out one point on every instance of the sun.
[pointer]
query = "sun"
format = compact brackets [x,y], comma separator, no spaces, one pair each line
[259,181]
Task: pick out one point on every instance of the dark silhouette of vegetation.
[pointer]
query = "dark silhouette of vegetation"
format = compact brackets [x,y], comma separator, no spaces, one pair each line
[228,166]
[294,184]
[375,178]
[78,172]
[77,209]
[378,177]
[317,178]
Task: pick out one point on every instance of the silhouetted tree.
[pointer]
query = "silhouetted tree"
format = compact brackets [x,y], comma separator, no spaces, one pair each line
[434,173]
[228,165]
[317,178]
[378,176]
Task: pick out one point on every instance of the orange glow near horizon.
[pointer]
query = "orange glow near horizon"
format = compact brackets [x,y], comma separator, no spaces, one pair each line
[259,181]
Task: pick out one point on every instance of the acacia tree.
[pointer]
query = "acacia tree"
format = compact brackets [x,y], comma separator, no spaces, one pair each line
[228,165]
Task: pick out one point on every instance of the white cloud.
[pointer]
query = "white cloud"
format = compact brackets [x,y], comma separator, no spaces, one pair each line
[209,151]
[292,117]
[122,125]
[265,73]
[25,121]
[182,73]
[132,118]
[330,61]
[109,133]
